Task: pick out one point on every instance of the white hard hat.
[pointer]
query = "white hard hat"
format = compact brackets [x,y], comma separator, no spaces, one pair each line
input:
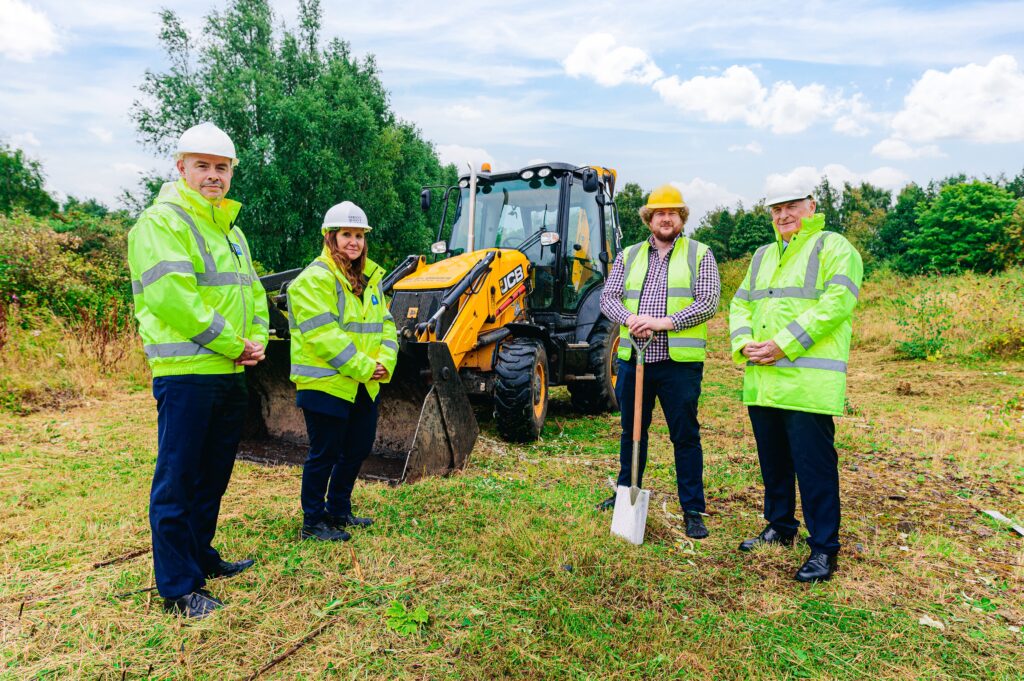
[345,214]
[206,138]
[786,198]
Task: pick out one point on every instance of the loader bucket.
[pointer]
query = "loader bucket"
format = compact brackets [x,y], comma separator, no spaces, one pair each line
[425,426]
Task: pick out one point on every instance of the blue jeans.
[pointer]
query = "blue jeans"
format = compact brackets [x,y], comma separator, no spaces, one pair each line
[797,447]
[199,424]
[677,386]
[338,445]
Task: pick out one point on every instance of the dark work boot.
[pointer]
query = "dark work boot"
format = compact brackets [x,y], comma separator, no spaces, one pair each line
[349,520]
[818,568]
[607,505]
[324,532]
[196,605]
[226,569]
[768,536]
[695,528]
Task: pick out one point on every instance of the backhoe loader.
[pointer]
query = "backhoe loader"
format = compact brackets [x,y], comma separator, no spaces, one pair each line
[508,307]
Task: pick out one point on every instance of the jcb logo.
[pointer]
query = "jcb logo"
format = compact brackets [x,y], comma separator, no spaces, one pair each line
[511,279]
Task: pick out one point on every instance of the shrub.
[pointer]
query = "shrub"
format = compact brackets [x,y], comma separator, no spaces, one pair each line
[926,318]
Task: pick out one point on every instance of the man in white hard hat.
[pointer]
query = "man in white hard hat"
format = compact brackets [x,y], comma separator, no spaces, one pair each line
[202,316]
[790,326]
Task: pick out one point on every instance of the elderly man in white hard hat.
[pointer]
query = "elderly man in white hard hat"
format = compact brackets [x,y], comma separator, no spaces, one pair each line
[790,326]
[203,318]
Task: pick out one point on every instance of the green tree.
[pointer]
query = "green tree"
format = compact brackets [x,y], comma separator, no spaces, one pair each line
[21,184]
[715,230]
[312,127]
[964,228]
[829,200]
[628,201]
[900,224]
[753,229]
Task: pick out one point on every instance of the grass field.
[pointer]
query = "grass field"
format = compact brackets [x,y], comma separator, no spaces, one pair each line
[516,570]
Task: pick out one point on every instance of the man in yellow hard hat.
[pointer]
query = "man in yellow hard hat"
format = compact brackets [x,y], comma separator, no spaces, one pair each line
[203,318]
[668,286]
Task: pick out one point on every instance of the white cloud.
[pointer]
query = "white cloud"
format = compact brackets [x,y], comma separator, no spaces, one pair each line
[703,196]
[898,150]
[463,112]
[805,178]
[978,103]
[460,156]
[596,56]
[25,33]
[752,147]
[739,95]
[102,134]
[25,139]
[125,168]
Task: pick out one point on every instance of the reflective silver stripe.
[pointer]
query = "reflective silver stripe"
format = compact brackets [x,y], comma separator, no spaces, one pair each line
[631,295]
[630,257]
[807,363]
[222,279]
[292,326]
[691,261]
[363,327]
[260,321]
[785,292]
[742,294]
[311,372]
[388,317]
[686,342]
[159,270]
[212,331]
[321,264]
[800,333]
[390,344]
[814,264]
[755,265]
[208,262]
[741,331]
[183,349]
[843,280]
[678,292]
[322,319]
[345,355]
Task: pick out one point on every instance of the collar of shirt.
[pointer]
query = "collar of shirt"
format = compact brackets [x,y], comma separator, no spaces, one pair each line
[654,244]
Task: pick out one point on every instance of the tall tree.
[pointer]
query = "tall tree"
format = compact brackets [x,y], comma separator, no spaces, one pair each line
[900,224]
[753,229]
[312,127]
[964,228]
[21,184]
[828,199]
[715,230]
[628,201]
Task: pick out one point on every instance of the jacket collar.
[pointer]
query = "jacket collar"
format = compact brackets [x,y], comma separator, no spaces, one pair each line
[808,227]
[222,213]
[373,272]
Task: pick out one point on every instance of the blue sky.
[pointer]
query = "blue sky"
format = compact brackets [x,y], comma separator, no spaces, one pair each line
[728,100]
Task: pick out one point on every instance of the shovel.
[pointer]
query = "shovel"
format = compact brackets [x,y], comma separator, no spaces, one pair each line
[629,520]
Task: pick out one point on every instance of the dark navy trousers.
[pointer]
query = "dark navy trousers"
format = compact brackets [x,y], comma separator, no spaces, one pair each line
[677,386]
[340,439]
[199,425]
[798,447]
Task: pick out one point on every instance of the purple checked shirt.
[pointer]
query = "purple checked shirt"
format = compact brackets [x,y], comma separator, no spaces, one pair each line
[706,290]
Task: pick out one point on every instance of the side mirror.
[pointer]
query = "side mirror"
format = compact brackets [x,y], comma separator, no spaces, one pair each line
[439,247]
[549,238]
[590,181]
[425,200]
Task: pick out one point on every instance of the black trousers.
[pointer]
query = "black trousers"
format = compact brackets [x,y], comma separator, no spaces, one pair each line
[677,386]
[199,424]
[799,447]
[338,445]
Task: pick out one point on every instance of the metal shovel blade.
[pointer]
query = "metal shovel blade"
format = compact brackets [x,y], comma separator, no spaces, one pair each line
[629,520]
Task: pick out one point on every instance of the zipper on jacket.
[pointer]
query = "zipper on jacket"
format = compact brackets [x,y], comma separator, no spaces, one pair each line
[238,278]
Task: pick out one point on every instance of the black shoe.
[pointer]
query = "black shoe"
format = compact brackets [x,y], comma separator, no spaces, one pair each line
[695,528]
[343,521]
[196,605]
[324,532]
[818,568]
[768,536]
[607,505]
[226,569]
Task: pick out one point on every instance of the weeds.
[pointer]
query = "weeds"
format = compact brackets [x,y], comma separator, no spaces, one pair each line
[101,330]
[403,621]
[926,319]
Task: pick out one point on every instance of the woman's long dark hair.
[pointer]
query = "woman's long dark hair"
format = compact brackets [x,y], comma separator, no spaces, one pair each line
[352,269]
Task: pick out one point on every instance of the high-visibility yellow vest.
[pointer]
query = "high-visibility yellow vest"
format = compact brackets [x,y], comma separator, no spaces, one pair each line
[338,337]
[195,291]
[802,298]
[686,345]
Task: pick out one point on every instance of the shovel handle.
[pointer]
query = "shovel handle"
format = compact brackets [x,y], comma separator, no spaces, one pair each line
[638,403]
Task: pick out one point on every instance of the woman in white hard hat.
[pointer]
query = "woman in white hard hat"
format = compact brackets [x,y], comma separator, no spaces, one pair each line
[344,345]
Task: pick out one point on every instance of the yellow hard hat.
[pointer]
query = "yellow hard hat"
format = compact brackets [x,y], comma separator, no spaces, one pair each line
[665,196]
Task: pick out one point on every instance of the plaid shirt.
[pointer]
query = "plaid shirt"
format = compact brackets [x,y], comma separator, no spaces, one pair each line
[706,290]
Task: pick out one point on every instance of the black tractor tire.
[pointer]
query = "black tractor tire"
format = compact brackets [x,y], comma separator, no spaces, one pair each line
[521,389]
[598,397]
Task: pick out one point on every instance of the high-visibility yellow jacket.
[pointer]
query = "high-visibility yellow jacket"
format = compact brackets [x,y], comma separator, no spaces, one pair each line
[685,345]
[195,291]
[802,298]
[338,337]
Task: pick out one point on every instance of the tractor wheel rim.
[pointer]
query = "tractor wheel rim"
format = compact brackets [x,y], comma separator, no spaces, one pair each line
[539,390]
[613,369]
